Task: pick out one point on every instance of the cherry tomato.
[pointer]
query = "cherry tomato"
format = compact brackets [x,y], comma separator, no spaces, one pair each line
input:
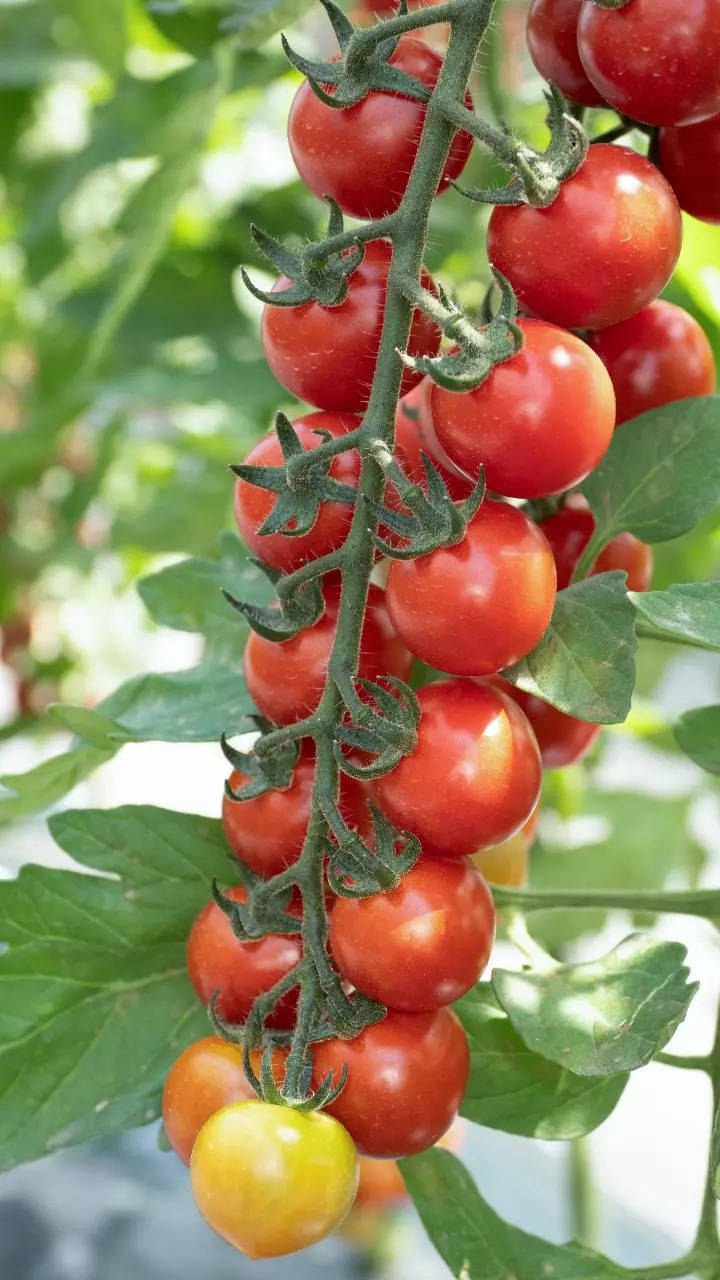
[659,355]
[474,777]
[268,832]
[552,40]
[562,739]
[422,945]
[415,435]
[253,504]
[654,60]
[286,679]
[326,355]
[690,160]
[507,863]
[406,1079]
[481,604]
[538,424]
[362,155]
[239,971]
[271,1180]
[208,1075]
[603,249]
[569,532]
[381,1182]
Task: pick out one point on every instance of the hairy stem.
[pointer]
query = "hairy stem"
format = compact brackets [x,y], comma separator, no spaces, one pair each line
[701,902]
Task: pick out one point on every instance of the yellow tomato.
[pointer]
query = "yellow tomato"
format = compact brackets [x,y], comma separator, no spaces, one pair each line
[507,863]
[271,1180]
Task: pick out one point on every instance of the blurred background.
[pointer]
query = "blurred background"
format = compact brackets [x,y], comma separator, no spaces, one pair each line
[134,157]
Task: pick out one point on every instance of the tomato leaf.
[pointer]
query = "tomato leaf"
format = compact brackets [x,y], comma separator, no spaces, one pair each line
[688,610]
[660,474]
[475,1242]
[585,662]
[101,30]
[697,733]
[513,1089]
[715,1154]
[605,1016]
[96,1002]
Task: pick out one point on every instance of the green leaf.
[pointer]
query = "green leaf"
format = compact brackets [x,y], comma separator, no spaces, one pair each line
[101,30]
[697,733]
[513,1089]
[193,26]
[715,1154]
[688,610]
[585,662]
[50,781]
[475,1242]
[606,1016]
[95,999]
[90,725]
[252,22]
[659,476]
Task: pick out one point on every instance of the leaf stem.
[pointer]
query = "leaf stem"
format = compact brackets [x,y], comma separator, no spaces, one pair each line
[701,902]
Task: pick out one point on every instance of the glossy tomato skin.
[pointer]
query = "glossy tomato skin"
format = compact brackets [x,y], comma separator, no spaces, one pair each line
[286,679]
[362,155]
[422,945]
[474,777]
[539,423]
[253,504]
[507,863]
[326,355]
[657,61]
[381,1182]
[657,356]
[208,1075]
[562,739]
[603,249]
[415,434]
[271,1180]
[239,971]
[481,604]
[569,532]
[406,1079]
[552,40]
[690,160]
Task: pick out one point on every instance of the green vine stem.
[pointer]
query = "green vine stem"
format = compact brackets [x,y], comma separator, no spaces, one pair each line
[702,902]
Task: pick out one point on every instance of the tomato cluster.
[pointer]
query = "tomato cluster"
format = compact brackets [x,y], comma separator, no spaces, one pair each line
[467,788]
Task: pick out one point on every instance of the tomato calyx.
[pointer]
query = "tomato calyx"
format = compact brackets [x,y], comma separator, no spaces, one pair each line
[353,871]
[435,520]
[312,277]
[271,771]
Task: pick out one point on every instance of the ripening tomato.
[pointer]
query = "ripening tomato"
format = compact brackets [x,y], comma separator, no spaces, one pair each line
[474,777]
[286,679]
[415,435]
[362,155]
[657,61]
[240,971]
[507,863]
[603,249]
[406,1079]
[326,355]
[208,1075]
[253,504]
[562,739]
[657,356]
[569,532]
[481,604]
[539,423]
[422,945]
[552,40]
[271,1180]
[690,160]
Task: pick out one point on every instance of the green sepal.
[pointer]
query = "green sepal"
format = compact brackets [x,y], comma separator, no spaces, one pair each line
[478,351]
[298,608]
[270,772]
[436,520]
[384,726]
[313,279]
[362,68]
[262,913]
[356,871]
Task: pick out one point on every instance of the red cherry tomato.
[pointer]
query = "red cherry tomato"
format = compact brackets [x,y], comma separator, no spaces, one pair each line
[538,424]
[481,604]
[690,160]
[569,532]
[326,355]
[415,435]
[253,504]
[654,60]
[381,1182]
[239,971]
[268,832]
[286,680]
[208,1075]
[562,739]
[552,40]
[362,155]
[422,945]
[406,1079]
[659,355]
[603,249]
[474,777]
